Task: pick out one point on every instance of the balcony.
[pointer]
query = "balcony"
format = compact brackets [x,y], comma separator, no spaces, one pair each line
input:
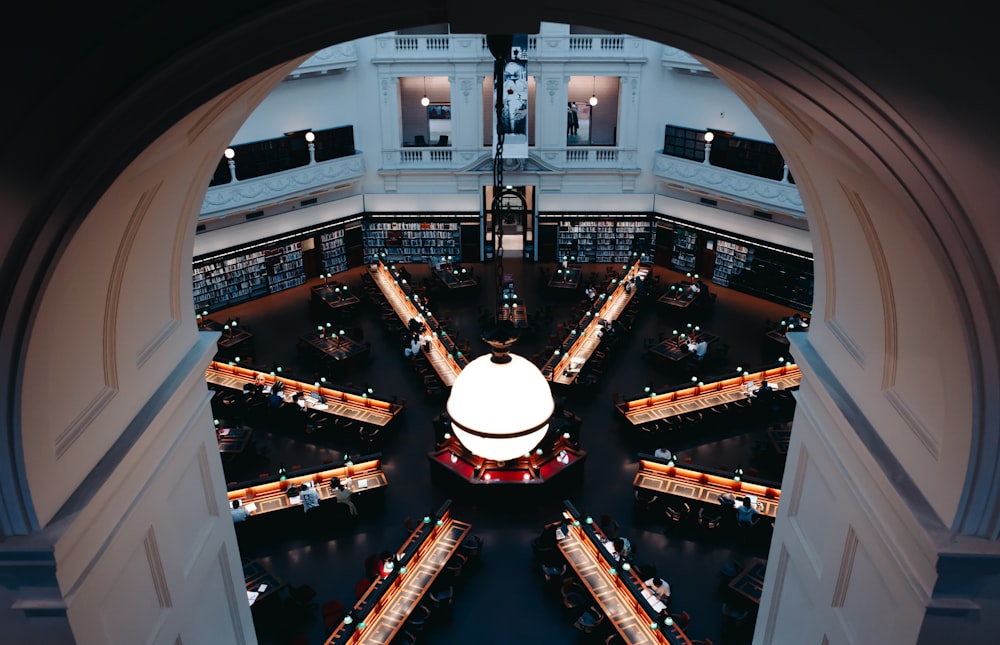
[393,48]
[344,56]
[700,177]
[252,194]
[682,61]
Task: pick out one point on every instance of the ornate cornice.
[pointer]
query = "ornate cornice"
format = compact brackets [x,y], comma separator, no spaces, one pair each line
[296,183]
[767,194]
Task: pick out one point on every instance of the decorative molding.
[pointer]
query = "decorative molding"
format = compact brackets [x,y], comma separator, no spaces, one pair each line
[158,339]
[204,469]
[156,568]
[222,557]
[72,432]
[736,186]
[342,56]
[846,566]
[281,186]
[551,86]
[778,582]
[465,86]
[855,350]
[882,274]
[930,442]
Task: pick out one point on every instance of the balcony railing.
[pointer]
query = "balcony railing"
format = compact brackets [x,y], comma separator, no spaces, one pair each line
[767,194]
[393,47]
[281,186]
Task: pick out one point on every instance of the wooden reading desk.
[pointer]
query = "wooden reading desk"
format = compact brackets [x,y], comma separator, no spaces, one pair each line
[452,457]
[566,278]
[564,366]
[675,348]
[453,277]
[702,486]
[382,611]
[334,296]
[678,296]
[344,404]
[262,585]
[700,397]
[617,591]
[269,496]
[335,347]
[749,583]
[443,354]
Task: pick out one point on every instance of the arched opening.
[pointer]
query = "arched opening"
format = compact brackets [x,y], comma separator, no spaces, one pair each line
[103,275]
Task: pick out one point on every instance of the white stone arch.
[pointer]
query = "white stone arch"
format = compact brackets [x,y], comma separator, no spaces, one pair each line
[874,166]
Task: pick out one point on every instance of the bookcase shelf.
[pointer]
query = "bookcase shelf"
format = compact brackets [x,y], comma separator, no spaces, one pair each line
[334,252]
[731,260]
[228,281]
[611,240]
[284,267]
[411,241]
[682,257]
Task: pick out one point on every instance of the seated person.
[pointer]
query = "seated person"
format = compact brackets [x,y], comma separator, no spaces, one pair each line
[240,514]
[694,288]
[765,392]
[663,453]
[659,587]
[745,513]
[751,389]
[623,548]
[309,496]
[700,350]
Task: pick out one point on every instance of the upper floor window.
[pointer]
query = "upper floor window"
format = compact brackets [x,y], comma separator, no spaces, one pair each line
[425,109]
[592,111]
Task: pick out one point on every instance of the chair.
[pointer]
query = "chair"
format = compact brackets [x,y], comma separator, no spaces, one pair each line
[419,140]
[645,500]
[472,547]
[703,641]
[332,612]
[573,595]
[417,619]
[589,620]
[456,565]
[443,140]
[733,618]
[304,595]
[553,571]
[708,522]
[442,597]
[682,619]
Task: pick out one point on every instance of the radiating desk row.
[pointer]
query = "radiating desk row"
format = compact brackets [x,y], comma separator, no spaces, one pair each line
[578,347]
[451,456]
[270,496]
[382,611]
[343,404]
[700,397]
[700,486]
[442,354]
[618,591]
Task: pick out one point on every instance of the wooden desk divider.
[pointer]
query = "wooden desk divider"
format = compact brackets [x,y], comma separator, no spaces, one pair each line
[382,611]
[354,406]
[616,587]
[580,346]
[269,495]
[703,485]
[699,397]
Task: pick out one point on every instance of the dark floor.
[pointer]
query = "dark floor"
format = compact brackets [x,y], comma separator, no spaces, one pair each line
[507,583]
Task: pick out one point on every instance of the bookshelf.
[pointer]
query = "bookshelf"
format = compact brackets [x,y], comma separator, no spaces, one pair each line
[731,260]
[603,240]
[334,252]
[228,281]
[284,267]
[411,241]
[682,258]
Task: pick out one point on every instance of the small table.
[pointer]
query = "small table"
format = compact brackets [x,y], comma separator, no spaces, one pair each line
[454,277]
[339,349]
[678,296]
[676,348]
[335,297]
[262,585]
[233,441]
[566,278]
[517,315]
[749,582]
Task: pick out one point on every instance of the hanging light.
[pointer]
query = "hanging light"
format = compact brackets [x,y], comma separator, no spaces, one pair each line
[593,94]
[425,101]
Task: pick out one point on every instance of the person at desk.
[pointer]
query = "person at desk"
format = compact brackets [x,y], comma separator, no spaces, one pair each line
[623,548]
[240,514]
[663,453]
[591,293]
[661,588]
[344,497]
[309,497]
[745,514]
[700,349]
[695,288]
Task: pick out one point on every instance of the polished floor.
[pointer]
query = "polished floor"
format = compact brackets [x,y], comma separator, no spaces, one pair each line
[503,599]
